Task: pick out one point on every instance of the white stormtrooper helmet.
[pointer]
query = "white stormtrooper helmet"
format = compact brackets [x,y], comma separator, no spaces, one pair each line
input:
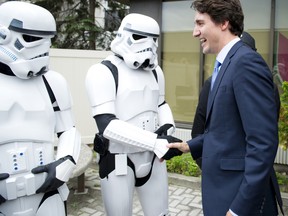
[137,41]
[25,38]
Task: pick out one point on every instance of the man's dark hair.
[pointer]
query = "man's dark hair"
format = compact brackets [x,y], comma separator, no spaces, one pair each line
[221,11]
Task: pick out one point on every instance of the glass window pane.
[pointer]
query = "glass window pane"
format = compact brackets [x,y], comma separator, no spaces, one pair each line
[180,59]
[280,69]
[257,23]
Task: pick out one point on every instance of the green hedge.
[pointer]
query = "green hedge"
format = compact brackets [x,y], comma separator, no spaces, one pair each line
[184,165]
[283,118]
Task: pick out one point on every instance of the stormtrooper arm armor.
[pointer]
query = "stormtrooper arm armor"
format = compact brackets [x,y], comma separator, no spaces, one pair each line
[68,145]
[127,134]
[166,118]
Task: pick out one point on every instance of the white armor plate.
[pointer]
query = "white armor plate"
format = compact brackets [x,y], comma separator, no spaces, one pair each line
[24,118]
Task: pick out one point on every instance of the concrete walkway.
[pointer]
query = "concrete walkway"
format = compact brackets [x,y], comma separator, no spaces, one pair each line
[184,196]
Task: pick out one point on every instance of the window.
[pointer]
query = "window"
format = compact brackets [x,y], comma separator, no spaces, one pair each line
[280,60]
[180,59]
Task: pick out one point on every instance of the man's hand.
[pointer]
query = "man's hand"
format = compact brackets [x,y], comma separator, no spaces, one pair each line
[229,213]
[51,182]
[3,176]
[181,146]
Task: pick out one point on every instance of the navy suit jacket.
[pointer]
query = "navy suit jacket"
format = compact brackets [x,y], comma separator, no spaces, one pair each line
[240,141]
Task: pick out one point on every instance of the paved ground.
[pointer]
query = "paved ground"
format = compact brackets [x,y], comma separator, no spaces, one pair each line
[184,197]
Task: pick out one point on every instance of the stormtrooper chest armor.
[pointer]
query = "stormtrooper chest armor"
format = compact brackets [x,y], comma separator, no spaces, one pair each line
[137,97]
[26,113]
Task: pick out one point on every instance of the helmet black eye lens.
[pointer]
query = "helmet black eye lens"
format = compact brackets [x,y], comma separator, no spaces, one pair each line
[30,38]
[138,37]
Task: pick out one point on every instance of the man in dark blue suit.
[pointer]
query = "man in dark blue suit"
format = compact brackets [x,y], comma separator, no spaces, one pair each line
[240,141]
[198,128]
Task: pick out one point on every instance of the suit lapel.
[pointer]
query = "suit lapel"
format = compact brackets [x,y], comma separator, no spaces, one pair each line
[219,77]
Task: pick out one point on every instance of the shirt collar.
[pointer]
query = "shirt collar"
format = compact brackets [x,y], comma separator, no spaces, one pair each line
[223,53]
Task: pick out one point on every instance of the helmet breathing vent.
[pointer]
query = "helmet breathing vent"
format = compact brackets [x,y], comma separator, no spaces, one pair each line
[18,45]
[129,42]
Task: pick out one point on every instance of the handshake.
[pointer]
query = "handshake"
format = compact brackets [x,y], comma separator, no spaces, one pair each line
[162,136]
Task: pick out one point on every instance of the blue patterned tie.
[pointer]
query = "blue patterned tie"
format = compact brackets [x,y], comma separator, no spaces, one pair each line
[215,72]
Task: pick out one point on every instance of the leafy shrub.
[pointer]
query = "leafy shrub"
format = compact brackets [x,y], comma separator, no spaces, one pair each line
[184,165]
[282,179]
[283,117]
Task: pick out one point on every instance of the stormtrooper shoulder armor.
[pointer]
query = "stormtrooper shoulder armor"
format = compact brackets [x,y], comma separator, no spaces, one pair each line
[60,89]
[99,77]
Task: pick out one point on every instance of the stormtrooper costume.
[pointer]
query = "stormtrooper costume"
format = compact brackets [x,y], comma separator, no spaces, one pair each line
[133,119]
[35,105]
